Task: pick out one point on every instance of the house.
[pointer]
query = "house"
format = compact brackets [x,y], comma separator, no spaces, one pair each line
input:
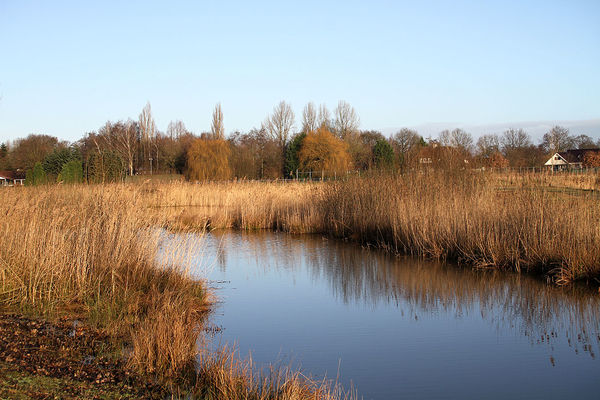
[571,159]
[12,178]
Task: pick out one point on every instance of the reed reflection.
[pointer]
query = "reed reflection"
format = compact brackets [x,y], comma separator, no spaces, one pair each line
[539,312]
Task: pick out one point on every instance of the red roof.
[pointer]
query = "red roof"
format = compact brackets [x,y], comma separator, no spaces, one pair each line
[577,156]
[12,175]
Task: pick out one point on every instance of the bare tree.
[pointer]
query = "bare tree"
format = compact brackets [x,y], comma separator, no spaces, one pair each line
[406,140]
[557,139]
[518,149]
[488,145]
[279,125]
[457,138]
[514,139]
[217,127]
[148,133]
[176,129]
[347,121]
[31,149]
[120,137]
[309,118]
[126,142]
[583,142]
[324,118]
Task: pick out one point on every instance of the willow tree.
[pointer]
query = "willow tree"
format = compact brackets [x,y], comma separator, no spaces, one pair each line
[208,160]
[322,151]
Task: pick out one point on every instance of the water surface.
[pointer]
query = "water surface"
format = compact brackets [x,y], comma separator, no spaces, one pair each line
[401,327]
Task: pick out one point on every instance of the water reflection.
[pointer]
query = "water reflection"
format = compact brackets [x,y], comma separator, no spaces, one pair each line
[402,327]
[536,310]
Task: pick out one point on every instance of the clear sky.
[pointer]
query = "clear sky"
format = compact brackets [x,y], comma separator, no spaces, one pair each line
[67,67]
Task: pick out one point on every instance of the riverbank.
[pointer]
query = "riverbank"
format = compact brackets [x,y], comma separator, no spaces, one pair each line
[543,224]
[67,360]
[91,254]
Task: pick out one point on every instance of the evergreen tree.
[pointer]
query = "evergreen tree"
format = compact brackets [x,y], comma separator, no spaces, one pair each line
[383,155]
[54,161]
[29,178]
[292,163]
[72,172]
[39,175]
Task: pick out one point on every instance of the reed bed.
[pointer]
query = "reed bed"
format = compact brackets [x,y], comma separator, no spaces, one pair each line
[291,207]
[92,253]
[226,376]
[545,224]
[468,217]
[87,250]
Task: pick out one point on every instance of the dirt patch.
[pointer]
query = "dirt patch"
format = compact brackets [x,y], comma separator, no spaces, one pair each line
[64,360]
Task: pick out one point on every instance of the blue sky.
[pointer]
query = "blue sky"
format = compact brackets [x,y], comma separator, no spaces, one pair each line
[67,67]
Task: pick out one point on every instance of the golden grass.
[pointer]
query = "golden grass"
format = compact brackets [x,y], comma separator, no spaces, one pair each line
[469,217]
[92,252]
[225,376]
[292,207]
[541,223]
[87,249]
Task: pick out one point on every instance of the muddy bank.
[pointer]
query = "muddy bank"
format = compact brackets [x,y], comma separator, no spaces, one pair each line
[64,360]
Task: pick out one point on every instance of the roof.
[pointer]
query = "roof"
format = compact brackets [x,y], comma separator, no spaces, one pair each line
[574,156]
[12,175]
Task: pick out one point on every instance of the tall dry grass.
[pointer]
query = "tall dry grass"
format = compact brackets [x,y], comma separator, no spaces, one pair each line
[92,252]
[469,217]
[225,376]
[89,250]
[541,223]
[292,207]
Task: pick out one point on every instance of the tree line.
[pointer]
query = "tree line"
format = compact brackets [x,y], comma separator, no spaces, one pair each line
[325,141]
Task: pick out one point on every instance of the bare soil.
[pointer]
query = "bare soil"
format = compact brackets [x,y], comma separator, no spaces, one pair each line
[65,360]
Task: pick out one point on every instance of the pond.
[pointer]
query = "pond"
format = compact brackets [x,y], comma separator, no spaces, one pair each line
[401,327]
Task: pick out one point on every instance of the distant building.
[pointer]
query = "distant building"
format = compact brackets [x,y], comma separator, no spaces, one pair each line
[11,178]
[571,159]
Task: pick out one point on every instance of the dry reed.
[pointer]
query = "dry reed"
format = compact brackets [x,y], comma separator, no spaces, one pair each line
[467,216]
[541,223]
[93,252]
[86,249]
[292,207]
[225,376]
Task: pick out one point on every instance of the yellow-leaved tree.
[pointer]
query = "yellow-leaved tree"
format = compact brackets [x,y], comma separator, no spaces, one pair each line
[322,151]
[208,160]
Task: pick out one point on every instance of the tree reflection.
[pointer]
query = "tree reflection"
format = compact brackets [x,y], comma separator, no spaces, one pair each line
[539,312]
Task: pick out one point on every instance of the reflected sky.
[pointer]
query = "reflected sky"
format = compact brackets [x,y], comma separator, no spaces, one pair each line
[399,327]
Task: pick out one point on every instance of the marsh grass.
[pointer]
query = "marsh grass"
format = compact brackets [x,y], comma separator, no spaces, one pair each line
[88,250]
[93,253]
[291,207]
[469,217]
[545,224]
[224,375]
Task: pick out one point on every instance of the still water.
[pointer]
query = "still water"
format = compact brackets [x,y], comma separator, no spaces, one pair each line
[401,327]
